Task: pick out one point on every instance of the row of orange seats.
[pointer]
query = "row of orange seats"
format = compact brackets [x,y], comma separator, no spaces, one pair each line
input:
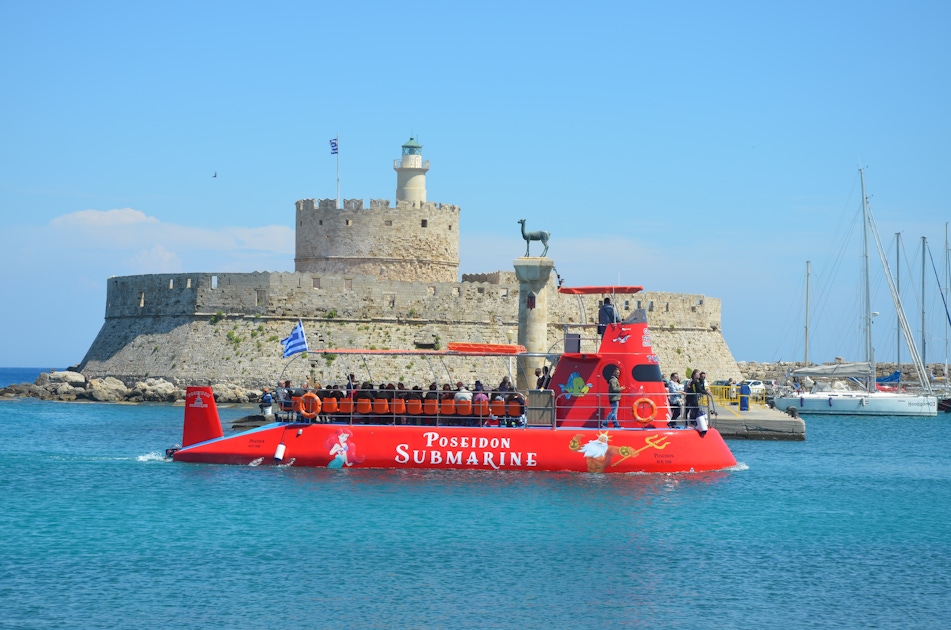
[310,405]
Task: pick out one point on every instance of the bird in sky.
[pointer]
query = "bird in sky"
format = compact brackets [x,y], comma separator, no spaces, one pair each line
[215,175]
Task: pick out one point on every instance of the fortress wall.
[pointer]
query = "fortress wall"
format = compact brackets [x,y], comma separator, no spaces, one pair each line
[227,327]
[151,295]
[412,241]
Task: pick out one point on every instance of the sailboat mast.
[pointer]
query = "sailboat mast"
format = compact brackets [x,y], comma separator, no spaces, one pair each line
[898,288]
[924,360]
[947,282]
[806,357]
[869,352]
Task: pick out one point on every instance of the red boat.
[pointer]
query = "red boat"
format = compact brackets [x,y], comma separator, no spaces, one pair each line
[556,429]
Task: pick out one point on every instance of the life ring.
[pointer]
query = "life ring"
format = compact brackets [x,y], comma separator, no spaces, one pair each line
[636,408]
[309,405]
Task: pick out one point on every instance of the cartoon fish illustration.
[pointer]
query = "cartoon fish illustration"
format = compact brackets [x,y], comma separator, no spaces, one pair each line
[575,386]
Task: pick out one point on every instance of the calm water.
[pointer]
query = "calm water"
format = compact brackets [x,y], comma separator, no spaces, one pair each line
[11,376]
[849,529]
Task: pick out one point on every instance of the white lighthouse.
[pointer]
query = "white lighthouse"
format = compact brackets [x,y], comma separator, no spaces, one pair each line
[411,173]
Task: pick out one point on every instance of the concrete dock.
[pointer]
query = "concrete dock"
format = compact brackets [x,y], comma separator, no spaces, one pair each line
[759,423]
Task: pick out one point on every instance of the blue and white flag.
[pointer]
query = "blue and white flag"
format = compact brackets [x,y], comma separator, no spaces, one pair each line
[296,341]
[333,147]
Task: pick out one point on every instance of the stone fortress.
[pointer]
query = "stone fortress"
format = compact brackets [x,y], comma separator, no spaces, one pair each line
[382,277]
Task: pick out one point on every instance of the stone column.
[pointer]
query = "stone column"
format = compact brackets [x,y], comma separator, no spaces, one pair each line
[532,274]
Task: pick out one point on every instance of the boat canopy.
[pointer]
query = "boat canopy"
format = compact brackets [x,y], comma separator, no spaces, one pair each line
[455,349]
[599,290]
[843,370]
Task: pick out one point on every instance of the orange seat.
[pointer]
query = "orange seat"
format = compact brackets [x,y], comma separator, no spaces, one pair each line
[330,404]
[497,407]
[346,406]
[481,408]
[399,406]
[515,408]
[447,407]
[431,406]
[414,406]
[381,406]
[295,404]
[364,405]
[464,407]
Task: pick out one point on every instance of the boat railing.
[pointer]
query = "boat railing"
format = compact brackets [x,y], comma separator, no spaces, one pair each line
[511,409]
[634,409]
[534,408]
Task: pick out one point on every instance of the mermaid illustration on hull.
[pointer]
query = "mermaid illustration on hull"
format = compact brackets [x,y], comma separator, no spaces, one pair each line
[343,451]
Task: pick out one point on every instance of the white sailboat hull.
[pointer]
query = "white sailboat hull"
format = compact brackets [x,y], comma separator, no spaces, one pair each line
[860,404]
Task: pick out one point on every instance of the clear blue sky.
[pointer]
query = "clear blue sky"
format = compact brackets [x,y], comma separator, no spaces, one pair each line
[701,147]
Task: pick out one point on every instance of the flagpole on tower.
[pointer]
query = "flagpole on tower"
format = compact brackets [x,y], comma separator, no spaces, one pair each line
[336,151]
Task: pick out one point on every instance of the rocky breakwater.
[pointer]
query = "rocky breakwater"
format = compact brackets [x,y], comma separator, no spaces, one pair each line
[71,386]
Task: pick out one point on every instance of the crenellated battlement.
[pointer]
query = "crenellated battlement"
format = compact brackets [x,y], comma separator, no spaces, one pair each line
[411,241]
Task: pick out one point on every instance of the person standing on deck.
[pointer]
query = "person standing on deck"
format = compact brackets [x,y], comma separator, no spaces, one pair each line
[676,397]
[695,390]
[614,397]
[606,315]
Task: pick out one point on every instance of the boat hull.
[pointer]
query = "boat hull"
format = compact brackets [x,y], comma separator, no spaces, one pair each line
[859,404]
[650,450]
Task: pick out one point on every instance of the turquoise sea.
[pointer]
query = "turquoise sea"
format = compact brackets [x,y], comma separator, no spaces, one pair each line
[850,529]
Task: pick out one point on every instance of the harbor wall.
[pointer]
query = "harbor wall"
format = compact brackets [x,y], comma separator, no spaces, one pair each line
[201,328]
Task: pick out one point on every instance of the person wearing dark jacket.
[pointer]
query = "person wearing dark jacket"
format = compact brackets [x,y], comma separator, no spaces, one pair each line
[606,315]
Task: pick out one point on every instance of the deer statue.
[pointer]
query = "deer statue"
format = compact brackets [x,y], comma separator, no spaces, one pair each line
[540,235]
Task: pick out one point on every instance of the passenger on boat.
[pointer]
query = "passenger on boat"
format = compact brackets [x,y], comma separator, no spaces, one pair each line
[676,397]
[538,378]
[614,397]
[266,402]
[447,392]
[694,390]
[505,385]
[546,378]
[461,392]
[606,315]
[479,394]
[514,411]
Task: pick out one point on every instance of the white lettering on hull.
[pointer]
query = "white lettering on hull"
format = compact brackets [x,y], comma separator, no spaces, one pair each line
[442,456]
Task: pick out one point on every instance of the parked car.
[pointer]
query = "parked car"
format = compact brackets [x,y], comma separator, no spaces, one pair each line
[757,387]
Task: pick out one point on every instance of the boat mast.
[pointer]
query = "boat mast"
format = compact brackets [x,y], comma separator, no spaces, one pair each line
[900,311]
[806,357]
[898,288]
[924,246]
[869,352]
[947,282]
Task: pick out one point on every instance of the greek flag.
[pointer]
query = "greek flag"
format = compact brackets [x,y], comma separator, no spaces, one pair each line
[333,147]
[296,341]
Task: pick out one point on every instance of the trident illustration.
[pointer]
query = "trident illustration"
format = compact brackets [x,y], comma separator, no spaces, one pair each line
[655,441]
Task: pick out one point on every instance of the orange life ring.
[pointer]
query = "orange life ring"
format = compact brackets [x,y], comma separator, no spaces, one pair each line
[636,408]
[309,405]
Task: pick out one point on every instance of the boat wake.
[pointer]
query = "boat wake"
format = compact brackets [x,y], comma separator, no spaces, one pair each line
[152,457]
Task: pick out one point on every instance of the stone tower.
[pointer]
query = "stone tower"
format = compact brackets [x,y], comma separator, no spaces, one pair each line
[415,241]
[411,174]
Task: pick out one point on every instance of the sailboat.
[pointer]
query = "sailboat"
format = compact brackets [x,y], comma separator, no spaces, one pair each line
[868,401]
